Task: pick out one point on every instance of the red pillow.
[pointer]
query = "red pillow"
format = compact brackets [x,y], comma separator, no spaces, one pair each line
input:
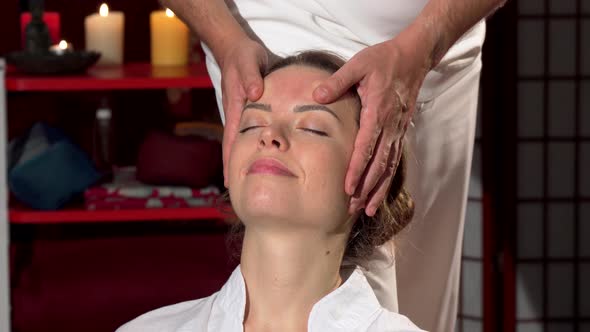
[165,159]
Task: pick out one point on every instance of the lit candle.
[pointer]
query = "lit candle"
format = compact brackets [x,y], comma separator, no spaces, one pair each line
[61,48]
[169,37]
[104,34]
[51,19]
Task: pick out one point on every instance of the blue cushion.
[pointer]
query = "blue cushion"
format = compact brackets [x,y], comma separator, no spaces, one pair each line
[50,179]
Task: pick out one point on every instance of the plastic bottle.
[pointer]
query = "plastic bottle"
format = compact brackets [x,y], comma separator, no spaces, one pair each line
[104,139]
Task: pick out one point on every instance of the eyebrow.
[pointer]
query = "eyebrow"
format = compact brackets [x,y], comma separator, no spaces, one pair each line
[258,106]
[297,109]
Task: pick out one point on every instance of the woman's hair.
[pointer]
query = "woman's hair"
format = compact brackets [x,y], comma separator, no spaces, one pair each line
[396,210]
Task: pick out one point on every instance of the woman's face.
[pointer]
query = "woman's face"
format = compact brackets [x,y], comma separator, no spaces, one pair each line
[291,154]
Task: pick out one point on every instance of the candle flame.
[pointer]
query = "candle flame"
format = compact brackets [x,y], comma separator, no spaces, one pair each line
[63,45]
[104,10]
[169,13]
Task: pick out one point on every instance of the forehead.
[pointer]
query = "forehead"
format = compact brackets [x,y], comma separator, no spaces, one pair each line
[295,81]
[291,86]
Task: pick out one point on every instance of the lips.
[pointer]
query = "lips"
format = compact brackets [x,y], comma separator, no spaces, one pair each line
[269,166]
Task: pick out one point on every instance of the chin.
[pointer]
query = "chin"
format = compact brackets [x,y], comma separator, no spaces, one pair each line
[263,199]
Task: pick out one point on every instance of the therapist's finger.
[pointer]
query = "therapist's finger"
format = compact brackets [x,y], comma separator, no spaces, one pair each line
[362,153]
[251,79]
[378,167]
[351,73]
[382,188]
[242,82]
[232,122]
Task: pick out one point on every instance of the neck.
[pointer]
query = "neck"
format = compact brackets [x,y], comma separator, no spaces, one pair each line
[286,272]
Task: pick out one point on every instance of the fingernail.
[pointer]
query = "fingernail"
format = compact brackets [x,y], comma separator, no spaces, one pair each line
[322,93]
[351,189]
[252,90]
[355,205]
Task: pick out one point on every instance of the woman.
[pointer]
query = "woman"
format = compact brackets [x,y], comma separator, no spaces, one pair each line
[286,172]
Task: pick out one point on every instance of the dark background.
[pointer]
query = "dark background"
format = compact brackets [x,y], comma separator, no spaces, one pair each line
[526,260]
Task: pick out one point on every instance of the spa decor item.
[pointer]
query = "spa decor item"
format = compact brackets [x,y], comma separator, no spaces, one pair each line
[169,39]
[61,48]
[46,169]
[125,191]
[166,159]
[104,34]
[52,63]
[51,19]
[37,38]
[39,58]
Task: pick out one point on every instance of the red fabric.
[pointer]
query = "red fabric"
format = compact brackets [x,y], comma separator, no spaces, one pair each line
[147,203]
[126,192]
[101,192]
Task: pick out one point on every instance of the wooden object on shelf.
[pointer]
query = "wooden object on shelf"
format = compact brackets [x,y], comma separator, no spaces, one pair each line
[136,76]
[5,314]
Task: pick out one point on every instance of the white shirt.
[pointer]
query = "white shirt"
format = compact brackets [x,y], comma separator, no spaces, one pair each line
[346,27]
[351,307]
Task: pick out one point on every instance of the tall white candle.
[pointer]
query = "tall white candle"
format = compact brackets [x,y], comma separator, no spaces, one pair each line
[104,33]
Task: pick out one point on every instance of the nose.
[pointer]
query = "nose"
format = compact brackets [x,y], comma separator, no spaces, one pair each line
[272,137]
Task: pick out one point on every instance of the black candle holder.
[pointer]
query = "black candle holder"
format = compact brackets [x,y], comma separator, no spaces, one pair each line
[36,58]
[37,38]
[71,62]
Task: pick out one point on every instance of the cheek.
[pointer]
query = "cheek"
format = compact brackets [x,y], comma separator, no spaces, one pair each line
[326,167]
[237,161]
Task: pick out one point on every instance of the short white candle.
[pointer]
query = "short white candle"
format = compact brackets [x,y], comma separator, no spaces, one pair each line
[104,34]
[61,48]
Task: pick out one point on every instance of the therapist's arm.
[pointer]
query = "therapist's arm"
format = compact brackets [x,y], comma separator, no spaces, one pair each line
[388,78]
[211,20]
[240,58]
[448,20]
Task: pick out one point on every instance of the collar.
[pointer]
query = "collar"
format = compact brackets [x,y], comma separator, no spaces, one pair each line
[231,301]
[350,306]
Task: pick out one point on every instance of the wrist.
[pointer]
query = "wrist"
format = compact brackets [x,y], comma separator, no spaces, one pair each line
[423,40]
[224,43]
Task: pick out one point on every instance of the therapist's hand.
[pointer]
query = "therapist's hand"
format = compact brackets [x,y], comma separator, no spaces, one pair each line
[388,77]
[241,80]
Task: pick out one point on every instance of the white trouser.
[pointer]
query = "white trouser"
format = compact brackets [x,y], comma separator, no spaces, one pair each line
[428,253]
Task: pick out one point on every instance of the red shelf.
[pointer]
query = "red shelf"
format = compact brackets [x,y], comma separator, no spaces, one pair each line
[22,216]
[137,76]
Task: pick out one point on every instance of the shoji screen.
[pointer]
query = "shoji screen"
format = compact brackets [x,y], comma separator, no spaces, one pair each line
[471,296]
[551,228]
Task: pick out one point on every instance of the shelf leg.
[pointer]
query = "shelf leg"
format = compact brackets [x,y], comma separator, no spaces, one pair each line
[4,234]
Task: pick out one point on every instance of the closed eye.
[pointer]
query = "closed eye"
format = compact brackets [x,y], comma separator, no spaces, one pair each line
[248,128]
[317,132]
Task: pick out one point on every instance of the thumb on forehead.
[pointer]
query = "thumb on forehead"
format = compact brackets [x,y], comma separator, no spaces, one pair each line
[338,84]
